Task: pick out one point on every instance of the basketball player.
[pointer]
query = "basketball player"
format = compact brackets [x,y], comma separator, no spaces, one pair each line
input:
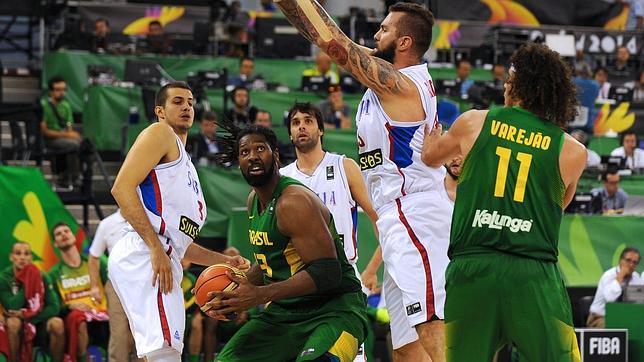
[413,214]
[335,178]
[520,172]
[317,311]
[159,195]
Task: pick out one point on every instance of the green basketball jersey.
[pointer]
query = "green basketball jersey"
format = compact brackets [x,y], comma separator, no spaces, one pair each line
[510,192]
[276,255]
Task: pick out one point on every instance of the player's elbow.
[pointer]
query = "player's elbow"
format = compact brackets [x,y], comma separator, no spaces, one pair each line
[326,274]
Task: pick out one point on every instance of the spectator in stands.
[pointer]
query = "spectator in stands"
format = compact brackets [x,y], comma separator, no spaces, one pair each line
[498,73]
[245,77]
[630,149]
[613,197]
[601,76]
[72,279]
[267,5]
[59,134]
[587,91]
[237,24]
[110,230]
[286,150]
[593,159]
[242,112]
[202,146]
[29,298]
[612,285]
[99,38]
[635,20]
[323,65]
[335,112]
[463,68]
[638,87]
[620,68]
[157,41]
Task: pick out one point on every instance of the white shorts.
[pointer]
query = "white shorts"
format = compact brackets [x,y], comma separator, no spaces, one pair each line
[157,320]
[414,236]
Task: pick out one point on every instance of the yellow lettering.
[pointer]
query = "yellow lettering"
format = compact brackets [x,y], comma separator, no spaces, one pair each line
[520,135]
[545,144]
[265,237]
[503,131]
[528,141]
[495,127]
[511,132]
[378,157]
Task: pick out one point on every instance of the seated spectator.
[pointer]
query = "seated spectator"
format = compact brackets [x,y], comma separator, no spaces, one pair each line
[245,77]
[242,112]
[237,23]
[601,76]
[286,151]
[613,197]
[322,68]
[619,67]
[630,149]
[99,38]
[638,87]
[59,134]
[612,285]
[72,279]
[267,5]
[4,338]
[157,41]
[335,112]
[593,159]
[463,69]
[202,146]
[31,304]
[587,91]
[121,343]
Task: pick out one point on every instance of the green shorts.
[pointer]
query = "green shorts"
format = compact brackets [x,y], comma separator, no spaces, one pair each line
[336,330]
[498,299]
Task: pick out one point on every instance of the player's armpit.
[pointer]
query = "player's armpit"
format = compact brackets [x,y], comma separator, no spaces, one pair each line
[318,27]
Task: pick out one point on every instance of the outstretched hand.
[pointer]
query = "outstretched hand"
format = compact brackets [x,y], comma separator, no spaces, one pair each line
[239,262]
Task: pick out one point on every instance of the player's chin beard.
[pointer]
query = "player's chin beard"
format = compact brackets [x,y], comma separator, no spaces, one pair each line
[306,146]
[387,53]
[261,180]
[451,174]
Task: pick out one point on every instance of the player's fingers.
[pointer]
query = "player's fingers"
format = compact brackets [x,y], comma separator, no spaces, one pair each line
[168,281]
[236,279]
[155,276]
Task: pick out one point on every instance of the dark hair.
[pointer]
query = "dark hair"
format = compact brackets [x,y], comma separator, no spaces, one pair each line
[461,61]
[238,88]
[628,133]
[542,83]
[497,64]
[103,20]
[261,110]
[53,80]
[209,116]
[629,249]
[417,24]
[307,108]
[162,94]
[612,170]
[601,69]
[155,22]
[59,224]
[228,140]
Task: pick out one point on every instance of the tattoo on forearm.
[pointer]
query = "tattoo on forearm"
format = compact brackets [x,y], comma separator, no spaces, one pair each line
[336,51]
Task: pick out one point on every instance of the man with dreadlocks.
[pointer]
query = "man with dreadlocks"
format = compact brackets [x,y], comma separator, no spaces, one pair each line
[520,172]
[317,310]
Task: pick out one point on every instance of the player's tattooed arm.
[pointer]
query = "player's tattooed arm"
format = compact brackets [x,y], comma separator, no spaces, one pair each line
[318,27]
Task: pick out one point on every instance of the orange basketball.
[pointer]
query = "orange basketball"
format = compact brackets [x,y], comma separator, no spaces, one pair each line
[214,279]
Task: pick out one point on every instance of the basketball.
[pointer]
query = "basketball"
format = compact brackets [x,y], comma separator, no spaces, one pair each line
[214,279]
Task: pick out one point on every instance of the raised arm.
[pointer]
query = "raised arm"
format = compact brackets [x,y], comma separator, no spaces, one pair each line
[316,25]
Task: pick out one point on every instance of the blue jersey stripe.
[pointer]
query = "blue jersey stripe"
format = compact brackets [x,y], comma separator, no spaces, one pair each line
[148,195]
[401,151]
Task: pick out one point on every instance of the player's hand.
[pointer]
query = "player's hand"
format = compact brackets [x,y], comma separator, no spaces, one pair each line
[161,270]
[242,298]
[97,296]
[80,306]
[370,280]
[432,133]
[239,262]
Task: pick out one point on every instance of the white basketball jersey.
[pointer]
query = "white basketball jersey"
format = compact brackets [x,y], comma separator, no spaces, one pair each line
[329,182]
[389,151]
[172,199]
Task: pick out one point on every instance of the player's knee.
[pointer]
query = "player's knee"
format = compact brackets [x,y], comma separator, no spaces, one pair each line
[56,327]
[14,325]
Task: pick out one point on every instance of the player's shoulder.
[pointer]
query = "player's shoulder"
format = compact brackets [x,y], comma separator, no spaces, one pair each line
[295,197]
[572,147]
[160,131]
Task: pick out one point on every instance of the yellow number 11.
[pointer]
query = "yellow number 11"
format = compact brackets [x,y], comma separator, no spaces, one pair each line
[502,173]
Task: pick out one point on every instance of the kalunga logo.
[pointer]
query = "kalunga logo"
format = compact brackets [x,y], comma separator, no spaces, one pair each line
[498,221]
